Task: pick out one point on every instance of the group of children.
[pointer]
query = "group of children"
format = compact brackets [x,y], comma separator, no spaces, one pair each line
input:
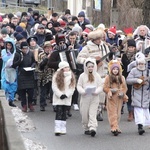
[89,86]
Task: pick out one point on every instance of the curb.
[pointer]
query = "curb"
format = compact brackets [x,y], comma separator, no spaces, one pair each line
[13,137]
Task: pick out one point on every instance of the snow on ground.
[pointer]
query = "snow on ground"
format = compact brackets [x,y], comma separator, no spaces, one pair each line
[25,124]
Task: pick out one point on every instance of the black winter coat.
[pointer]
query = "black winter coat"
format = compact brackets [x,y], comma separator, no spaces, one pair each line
[25,79]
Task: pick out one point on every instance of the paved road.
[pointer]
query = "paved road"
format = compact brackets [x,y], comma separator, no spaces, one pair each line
[76,140]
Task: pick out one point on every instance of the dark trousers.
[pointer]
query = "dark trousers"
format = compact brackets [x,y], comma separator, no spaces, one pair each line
[75,97]
[61,112]
[44,91]
[22,94]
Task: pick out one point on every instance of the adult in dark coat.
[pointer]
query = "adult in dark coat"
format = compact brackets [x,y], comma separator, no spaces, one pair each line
[23,59]
[126,59]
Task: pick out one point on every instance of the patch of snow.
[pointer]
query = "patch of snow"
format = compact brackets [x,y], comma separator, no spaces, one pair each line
[25,124]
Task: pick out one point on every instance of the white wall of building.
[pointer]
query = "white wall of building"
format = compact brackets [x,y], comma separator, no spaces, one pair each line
[75,6]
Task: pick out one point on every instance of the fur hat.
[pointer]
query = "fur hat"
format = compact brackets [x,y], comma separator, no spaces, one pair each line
[63,64]
[112,64]
[131,42]
[112,30]
[95,34]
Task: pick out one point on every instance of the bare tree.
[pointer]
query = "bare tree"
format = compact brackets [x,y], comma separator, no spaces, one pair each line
[146,13]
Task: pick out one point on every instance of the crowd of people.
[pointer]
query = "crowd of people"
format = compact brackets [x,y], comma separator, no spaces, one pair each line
[71,62]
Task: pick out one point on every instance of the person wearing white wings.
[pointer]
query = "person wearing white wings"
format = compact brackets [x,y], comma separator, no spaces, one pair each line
[89,100]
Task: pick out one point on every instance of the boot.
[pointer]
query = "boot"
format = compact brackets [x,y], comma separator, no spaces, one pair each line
[99,116]
[140,129]
[122,111]
[57,127]
[12,104]
[24,108]
[130,116]
[63,127]
[31,107]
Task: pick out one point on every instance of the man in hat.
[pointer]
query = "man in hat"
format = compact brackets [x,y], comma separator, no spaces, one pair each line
[46,74]
[82,21]
[36,49]
[96,49]
[40,34]
[25,78]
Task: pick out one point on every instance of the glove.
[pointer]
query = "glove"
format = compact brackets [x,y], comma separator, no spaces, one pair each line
[139,81]
[63,96]
[121,95]
[114,90]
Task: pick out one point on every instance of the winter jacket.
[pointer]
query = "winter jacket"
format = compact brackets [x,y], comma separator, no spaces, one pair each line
[92,50]
[141,96]
[25,78]
[68,91]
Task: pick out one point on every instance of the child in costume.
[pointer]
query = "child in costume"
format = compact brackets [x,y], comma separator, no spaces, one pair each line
[89,86]
[9,74]
[63,85]
[115,87]
[139,78]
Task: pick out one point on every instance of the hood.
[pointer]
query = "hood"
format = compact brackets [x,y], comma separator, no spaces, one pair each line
[90,60]
[10,40]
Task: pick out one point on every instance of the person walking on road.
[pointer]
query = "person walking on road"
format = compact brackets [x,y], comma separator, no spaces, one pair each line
[115,87]
[139,78]
[89,86]
[63,85]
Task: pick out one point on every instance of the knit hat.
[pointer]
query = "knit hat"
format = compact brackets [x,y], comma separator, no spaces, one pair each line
[63,64]
[102,26]
[131,42]
[89,26]
[77,29]
[18,14]
[62,23]
[67,11]
[86,31]
[19,37]
[32,38]
[19,29]
[112,30]
[59,37]
[24,45]
[112,64]
[23,25]
[143,61]
[25,35]
[81,14]
[4,31]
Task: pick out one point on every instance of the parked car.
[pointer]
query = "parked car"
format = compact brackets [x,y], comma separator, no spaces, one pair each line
[35,2]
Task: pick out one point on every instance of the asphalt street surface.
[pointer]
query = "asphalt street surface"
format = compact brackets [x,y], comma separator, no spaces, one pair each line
[75,139]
